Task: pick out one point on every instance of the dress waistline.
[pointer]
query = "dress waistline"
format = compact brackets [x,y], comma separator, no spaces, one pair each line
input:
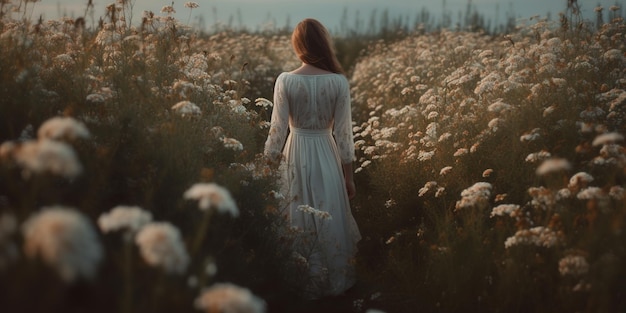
[311,132]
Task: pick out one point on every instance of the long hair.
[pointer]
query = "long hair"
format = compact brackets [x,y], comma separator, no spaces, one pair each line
[313,45]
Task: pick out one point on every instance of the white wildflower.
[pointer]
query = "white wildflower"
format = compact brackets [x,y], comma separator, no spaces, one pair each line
[212,195]
[504,209]
[563,193]
[444,137]
[592,113]
[579,180]
[161,245]
[542,197]
[425,155]
[444,171]
[427,187]
[553,165]
[494,123]
[531,136]
[48,156]
[538,156]
[229,298]
[232,143]
[315,212]
[186,108]
[614,55]
[499,107]
[460,152]
[591,193]
[62,128]
[539,236]
[95,98]
[191,5]
[549,110]
[573,265]
[475,196]
[389,203]
[168,9]
[64,239]
[616,192]
[487,172]
[608,138]
[440,192]
[264,103]
[131,218]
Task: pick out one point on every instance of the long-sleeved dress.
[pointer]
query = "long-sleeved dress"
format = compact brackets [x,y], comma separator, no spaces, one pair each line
[311,126]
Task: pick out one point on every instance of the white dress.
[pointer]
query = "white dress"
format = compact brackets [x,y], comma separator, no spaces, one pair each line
[312,120]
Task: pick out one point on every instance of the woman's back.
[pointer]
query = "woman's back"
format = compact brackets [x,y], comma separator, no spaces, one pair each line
[313,99]
[313,102]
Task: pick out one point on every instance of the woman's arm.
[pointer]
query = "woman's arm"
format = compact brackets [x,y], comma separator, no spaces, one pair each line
[279,124]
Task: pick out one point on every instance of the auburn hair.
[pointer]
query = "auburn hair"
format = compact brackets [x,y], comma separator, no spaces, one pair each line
[313,45]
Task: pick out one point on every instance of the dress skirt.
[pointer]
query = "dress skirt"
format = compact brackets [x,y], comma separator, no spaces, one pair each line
[317,205]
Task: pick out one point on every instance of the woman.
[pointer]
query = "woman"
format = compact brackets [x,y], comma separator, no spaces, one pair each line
[311,135]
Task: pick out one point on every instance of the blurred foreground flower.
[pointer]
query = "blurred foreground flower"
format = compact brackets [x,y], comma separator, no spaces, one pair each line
[58,128]
[161,245]
[554,165]
[212,195]
[44,156]
[131,218]
[607,138]
[65,239]
[229,298]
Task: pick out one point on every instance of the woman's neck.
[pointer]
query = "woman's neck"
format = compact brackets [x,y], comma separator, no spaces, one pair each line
[308,69]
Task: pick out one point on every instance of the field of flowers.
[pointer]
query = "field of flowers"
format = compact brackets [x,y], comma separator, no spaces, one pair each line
[490,169]
[130,175]
[495,168]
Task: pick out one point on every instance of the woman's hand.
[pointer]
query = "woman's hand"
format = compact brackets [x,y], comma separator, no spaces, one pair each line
[347,175]
[350,188]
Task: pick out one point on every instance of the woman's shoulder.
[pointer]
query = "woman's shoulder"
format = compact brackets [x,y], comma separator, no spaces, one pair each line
[329,75]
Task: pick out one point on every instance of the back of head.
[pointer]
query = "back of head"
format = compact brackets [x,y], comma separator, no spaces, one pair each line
[313,45]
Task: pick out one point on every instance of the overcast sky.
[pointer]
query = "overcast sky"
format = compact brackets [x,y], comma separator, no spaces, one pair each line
[254,13]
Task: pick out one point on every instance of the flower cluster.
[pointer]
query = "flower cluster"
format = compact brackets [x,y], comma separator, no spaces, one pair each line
[130,218]
[66,240]
[324,215]
[227,297]
[212,195]
[161,245]
[477,195]
[574,265]
[538,236]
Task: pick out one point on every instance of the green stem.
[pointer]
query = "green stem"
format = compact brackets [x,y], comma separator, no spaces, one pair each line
[201,233]
[127,302]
